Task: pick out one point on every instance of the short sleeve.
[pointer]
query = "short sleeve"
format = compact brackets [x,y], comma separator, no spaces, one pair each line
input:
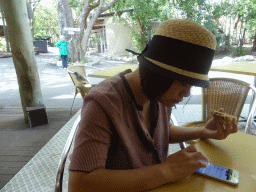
[57,44]
[92,140]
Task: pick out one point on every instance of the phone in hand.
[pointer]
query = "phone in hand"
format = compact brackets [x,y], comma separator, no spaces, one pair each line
[223,174]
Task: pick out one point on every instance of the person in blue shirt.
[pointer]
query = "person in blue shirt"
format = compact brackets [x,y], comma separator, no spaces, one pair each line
[63,51]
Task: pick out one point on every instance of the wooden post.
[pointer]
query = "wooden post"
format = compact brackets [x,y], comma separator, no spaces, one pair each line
[23,55]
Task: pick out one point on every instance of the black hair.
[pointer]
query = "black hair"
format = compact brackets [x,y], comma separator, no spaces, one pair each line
[154,85]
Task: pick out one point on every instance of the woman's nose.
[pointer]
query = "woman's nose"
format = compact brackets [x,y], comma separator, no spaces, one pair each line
[187,92]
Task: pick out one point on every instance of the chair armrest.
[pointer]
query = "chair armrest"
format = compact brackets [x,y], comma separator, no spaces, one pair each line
[252,111]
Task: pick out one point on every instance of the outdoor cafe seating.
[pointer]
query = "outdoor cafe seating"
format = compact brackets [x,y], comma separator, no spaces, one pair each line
[229,94]
[82,85]
[49,168]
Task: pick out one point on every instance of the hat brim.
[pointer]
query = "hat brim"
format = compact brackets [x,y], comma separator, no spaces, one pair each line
[174,75]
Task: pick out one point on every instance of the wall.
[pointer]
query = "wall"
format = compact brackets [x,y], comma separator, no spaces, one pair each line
[118,37]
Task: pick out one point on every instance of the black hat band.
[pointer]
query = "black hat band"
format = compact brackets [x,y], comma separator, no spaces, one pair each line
[180,57]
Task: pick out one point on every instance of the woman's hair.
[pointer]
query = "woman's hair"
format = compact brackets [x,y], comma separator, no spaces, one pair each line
[62,37]
[153,84]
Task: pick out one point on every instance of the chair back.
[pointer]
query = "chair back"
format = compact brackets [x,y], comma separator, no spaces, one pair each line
[226,93]
[81,69]
[63,158]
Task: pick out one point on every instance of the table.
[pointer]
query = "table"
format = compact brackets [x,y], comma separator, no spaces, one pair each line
[106,73]
[245,68]
[238,152]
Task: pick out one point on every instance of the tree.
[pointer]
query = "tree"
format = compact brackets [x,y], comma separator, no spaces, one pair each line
[23,55]
[141,14]
[33,5]
[45,23]
[246,13]
[85,8]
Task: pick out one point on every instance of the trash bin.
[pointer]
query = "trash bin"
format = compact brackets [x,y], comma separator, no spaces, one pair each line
[41,45]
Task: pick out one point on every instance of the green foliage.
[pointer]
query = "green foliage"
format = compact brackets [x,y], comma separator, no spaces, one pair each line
[3,48]
[221,9]
[238,52]
[139,17]
[45,23]
[41,36]
[69,58]
[139,41]
[84,60]
[144,11]
[223,42]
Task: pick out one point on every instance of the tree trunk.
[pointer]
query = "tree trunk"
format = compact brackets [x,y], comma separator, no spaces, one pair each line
[242,35]
[5,31]
[102,7]
[23,53]
[254,43]
[80,39]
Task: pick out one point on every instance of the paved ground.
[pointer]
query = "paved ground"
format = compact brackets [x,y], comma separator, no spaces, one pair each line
[57,87]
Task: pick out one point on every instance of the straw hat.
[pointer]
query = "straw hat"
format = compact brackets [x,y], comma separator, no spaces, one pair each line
[182,50]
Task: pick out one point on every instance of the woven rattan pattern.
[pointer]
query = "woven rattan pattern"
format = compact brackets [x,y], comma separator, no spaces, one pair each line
[229,94]
[187,31]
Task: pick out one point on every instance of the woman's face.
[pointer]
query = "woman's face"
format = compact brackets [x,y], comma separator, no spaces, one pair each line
[175,94]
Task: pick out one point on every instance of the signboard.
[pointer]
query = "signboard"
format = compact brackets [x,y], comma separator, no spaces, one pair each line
[71,29]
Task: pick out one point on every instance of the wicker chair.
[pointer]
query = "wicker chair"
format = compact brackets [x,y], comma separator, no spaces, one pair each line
[229,94]
[81,84]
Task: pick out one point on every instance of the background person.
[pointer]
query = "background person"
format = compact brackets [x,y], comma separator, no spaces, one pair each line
[124,133]
[63,51]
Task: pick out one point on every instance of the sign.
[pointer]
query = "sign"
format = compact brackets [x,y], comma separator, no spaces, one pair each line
[71,29]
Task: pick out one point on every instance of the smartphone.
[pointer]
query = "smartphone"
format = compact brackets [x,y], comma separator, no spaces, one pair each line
[223,174]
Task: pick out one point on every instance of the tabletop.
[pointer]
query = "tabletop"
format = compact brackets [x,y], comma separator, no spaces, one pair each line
[245,68]
[237,151]
[110,72]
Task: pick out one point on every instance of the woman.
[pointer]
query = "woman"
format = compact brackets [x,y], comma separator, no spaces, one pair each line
[125,129]
[63,51]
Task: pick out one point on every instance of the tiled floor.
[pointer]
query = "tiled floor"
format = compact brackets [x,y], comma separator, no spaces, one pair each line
[39,174]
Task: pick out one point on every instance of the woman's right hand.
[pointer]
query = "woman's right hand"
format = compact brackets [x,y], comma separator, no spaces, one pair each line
[183,163]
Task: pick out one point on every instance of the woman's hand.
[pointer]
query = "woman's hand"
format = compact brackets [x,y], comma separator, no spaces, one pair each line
[215,128]
[183,163]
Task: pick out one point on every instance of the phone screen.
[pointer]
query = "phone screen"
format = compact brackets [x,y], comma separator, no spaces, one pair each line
[216,171]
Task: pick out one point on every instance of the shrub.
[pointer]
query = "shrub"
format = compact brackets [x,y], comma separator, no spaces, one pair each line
[238,52]
[84,60]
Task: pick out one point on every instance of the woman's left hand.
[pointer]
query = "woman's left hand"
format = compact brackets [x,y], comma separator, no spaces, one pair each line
[215,128]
